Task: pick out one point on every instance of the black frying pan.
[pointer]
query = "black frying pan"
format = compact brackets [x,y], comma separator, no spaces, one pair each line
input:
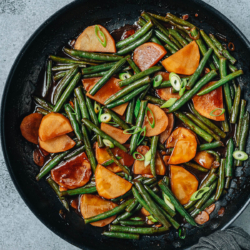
[49,39]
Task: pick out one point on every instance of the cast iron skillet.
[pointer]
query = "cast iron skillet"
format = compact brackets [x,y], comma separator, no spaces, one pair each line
[49,39]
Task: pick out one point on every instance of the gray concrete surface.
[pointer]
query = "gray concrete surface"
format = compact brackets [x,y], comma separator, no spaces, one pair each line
[19,228]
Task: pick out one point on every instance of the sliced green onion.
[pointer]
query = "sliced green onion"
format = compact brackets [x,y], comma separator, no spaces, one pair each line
[168,202]
[136,218]
[240,155]
[97,32]
[169,103]
[152,125]
[126,131]
[222,112]
[140,159]
[105,118]
[114,124]
[137,107]
[147,158]
[157,81]
[182,233]
[124,76]
[151,218]
[142,131]
[183,87]
[108,143]
[199,193]
[99,115]
[175,81]
[97,107]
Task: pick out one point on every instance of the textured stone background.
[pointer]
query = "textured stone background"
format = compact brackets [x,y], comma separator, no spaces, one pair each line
[19,228]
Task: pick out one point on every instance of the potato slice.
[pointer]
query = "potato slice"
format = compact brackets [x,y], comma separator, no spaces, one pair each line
[109,88]
[73,173]
[102,156]
[161,120]
[165,134]
[53,125]
[109,185]
[148,54]
[29,127]
[58,144]
[92,205]
[145,212]
[206,103]
[140,168]
[115,133]
[204,159]
[185,61]
[183,183]
[167,93]
[88,41]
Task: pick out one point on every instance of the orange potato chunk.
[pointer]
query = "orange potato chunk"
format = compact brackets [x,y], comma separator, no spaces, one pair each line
[92,205]
[58,144]
[53,125]
[165,134]
[109,185]
[72,173]
[204,159]
[206,103]
[185,61]
[115,133]
[87,41]
[183,183]
[102,156]
[145,212]
[29,127]
[148,54]
[109,88]
[161,120]
[167,93]
[140,168]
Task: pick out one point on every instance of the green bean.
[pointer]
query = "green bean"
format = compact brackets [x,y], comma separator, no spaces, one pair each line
[222,50]
[48,77]
[196,166]
[205,120]
[77,111]
[154,100]
[127,236]
[139,198]
[122,197]
[221,180]
[117,119]
[132,223]
[82,102]
[140,33]
[73,121]
[175,42]
[88,148]
[55,187]
[179,20]
[133,66]
[98,68]
[232,92]
[229,158]
[154,39]
[135,44]
[236,106]
[194,32]
[140,75]
[75,152]
[94,119]
[172,221]
[81,190]
[139,121]
[184,33]
[91,55]
[67,93]
[132,205]
[178,37]
[148,181]
[194,127]
[202,126]
[165,189]
[199,70]
[69,61]
[102,134]
[138,230]
[59,75]
[220,82]
[42,111]
[108,214]
[130,112]
[98,74]
[109,74]
[225,124]
[127,98]
[161,202]
[153,154]
[128,89]
[240,120]
[43,103]
[217,157]
[190,93]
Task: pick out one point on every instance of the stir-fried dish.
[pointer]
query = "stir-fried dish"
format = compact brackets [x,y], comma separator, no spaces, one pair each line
[142,132]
